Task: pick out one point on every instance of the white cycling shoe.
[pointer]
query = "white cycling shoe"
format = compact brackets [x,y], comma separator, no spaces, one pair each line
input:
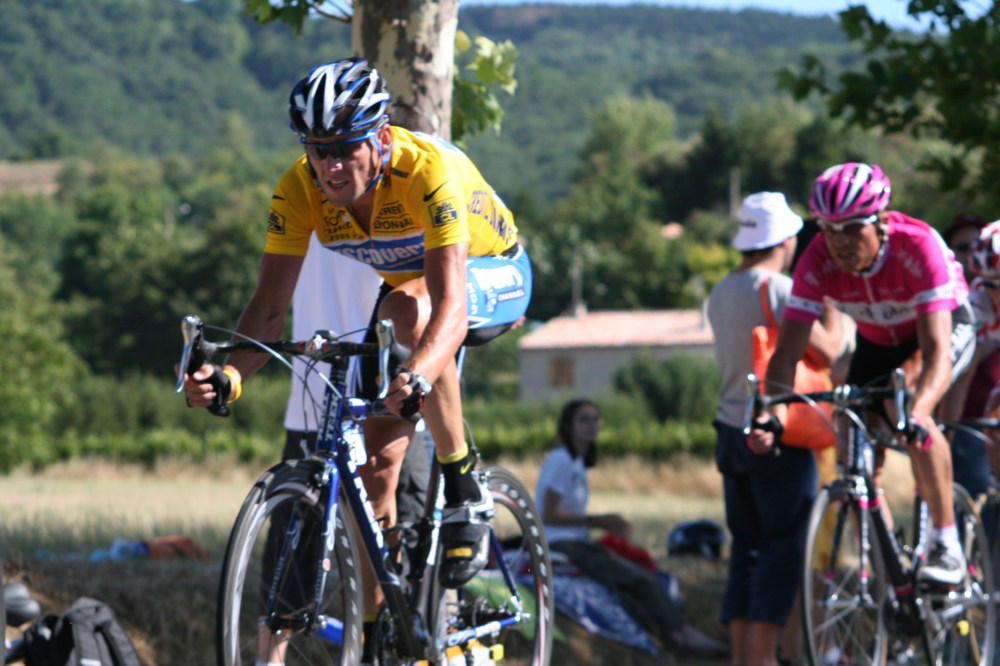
[942,566]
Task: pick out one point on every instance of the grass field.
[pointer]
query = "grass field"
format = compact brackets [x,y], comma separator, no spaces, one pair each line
[51,524]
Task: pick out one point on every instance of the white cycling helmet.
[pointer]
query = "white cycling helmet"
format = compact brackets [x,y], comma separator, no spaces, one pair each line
[984,258]
[342,97]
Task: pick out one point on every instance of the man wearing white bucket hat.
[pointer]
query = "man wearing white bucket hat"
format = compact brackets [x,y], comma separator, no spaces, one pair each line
[767,497]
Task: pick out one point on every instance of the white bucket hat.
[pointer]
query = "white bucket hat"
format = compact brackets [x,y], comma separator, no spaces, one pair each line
[765,220]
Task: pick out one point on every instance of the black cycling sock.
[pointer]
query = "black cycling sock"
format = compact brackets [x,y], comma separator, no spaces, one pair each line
[367,642]
[459,485]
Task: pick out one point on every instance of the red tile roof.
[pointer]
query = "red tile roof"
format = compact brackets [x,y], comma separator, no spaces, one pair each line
[630,328]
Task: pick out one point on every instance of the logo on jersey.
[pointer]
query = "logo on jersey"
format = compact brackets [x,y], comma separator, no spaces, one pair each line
[390,225]
[337,227]
[444,212]
[430,195]
[392,219]
[275,222]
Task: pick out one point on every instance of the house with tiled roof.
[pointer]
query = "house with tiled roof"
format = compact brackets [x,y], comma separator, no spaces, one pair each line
[579,354]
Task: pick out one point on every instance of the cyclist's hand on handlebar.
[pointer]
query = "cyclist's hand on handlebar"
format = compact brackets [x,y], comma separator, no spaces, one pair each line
[407,392]
[765,435]
[212,386]
[920,431]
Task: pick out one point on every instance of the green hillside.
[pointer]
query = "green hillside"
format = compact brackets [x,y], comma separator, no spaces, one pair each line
[160,76]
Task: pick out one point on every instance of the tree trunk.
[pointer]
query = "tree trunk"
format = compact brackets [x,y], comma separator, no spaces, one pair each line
[412,44]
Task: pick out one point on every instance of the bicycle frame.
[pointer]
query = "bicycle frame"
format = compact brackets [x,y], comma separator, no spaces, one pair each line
[339,480]
[878,580]
[857,475]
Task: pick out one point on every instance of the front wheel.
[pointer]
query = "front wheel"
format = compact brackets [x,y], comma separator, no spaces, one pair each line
[967,616]
[267,607]
[844,585]
[526,620]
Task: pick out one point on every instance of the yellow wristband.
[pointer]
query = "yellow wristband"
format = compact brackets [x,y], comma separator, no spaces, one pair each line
[236,386]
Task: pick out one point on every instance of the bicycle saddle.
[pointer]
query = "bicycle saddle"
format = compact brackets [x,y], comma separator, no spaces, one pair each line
[21,607]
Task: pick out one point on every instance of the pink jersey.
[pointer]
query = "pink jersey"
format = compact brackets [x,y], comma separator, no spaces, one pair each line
[914,274]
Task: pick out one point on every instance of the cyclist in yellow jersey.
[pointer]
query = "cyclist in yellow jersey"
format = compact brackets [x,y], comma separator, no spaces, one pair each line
[416,210]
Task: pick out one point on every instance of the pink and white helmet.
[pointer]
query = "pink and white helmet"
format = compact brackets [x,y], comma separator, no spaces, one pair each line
[851,190]
[985,255]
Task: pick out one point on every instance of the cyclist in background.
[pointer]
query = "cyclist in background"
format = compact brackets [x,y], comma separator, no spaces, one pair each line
[967,397]
[985,298]
[894,275]
[416,210]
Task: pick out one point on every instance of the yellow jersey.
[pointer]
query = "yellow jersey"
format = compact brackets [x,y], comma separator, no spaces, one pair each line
[430,195]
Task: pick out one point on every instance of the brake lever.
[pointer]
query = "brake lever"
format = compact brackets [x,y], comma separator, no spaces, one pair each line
[752,403]
[191,329]
[386,340]
[195,354]
[900,398]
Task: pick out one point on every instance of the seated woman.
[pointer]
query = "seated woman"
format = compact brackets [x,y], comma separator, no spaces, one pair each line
[562,494]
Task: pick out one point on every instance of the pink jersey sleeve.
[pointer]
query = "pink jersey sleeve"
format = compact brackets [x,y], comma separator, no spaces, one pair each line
[936,275]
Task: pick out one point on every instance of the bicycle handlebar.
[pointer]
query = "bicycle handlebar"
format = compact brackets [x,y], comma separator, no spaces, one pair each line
[323,346]
[845,395]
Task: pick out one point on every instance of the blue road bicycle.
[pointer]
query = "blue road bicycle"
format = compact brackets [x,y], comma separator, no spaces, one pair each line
[291,581]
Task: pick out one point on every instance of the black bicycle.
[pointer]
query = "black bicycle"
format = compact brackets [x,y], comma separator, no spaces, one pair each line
[291,585]
[862,601]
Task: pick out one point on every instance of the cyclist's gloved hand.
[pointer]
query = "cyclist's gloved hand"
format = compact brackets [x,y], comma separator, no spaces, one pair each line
[918,435]
[766,423]
[414,402]
[220,382]
[770,424]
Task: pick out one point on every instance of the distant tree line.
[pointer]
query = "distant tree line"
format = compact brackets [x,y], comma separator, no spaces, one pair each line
[167,168]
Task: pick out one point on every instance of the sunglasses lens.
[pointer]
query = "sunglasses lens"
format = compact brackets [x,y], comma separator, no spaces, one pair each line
[337,151]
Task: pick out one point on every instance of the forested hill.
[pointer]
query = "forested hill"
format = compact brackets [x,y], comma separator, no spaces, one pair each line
[168,75]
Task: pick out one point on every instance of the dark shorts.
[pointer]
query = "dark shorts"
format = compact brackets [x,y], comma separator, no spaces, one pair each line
[768,499]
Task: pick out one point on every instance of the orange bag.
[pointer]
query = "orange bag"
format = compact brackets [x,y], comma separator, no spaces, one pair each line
[807,427]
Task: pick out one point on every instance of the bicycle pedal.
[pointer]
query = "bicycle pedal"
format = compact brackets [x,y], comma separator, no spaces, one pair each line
[474,654]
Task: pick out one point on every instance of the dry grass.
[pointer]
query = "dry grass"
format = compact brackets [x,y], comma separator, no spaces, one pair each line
[169,606]
[29,177]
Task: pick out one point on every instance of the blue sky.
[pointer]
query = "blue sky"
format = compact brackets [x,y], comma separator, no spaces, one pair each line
[891,11]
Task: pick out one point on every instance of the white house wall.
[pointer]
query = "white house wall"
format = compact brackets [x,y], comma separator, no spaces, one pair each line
[593,369]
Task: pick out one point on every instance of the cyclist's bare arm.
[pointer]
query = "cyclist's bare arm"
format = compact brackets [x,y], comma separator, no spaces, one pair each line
[444,283]
[262,319]
[934,378]
[826,338]
[792,343]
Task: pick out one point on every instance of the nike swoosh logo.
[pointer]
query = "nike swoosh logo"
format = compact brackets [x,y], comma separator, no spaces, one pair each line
[430,195]
[464,469]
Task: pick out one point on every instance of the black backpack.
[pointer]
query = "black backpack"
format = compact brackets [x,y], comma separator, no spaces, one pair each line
[85,635]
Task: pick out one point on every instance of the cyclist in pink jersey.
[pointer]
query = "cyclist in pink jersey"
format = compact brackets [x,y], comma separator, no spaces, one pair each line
[896,277]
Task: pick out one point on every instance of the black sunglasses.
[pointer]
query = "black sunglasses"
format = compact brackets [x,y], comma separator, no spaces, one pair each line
[338,150]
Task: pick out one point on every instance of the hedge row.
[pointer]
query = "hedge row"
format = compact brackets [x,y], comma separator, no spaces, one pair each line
[141,419]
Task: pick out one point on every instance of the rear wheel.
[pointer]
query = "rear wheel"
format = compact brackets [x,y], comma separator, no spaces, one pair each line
[843,586]
[267,606]
[520,544]
[967,616]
